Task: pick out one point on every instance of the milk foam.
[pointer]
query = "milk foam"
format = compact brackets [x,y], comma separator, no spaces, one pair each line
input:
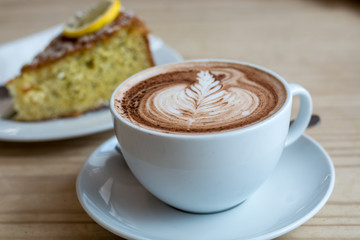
[199,103]
[207,99]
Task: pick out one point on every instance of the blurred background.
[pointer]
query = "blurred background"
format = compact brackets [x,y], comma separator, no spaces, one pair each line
[313,43]
[299,39]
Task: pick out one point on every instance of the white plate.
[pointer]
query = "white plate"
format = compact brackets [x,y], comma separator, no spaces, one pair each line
[14,54]
[298,189]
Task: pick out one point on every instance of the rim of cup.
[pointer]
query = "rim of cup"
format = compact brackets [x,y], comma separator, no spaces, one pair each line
[117,116]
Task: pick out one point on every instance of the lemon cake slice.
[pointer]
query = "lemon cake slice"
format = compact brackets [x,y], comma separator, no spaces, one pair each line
[78,74]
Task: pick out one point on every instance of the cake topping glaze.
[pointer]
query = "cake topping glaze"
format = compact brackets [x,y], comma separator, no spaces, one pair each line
[62,45]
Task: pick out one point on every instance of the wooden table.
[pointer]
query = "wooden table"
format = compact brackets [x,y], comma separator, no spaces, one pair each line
[313,43]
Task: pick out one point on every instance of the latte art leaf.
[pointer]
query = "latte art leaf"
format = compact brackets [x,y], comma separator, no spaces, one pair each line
[203,97]
[201,102]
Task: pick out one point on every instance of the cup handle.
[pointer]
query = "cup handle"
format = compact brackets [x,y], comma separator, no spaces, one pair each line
[302,120]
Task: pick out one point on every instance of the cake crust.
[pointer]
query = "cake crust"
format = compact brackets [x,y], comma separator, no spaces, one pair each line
[62,46]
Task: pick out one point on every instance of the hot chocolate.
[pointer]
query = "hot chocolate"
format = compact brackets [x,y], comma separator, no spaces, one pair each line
[199,97]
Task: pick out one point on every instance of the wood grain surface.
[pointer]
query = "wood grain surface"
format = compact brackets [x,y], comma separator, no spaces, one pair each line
[313,43]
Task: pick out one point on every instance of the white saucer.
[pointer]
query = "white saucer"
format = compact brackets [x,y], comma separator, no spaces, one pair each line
[14,54]
[298,189]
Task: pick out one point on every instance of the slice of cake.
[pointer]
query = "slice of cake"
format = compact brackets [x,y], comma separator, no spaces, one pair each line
[76,75]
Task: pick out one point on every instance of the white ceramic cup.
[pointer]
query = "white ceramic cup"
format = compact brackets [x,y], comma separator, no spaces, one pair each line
[205,173]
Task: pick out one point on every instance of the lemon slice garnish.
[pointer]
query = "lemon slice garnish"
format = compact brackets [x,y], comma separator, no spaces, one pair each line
[93,19]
